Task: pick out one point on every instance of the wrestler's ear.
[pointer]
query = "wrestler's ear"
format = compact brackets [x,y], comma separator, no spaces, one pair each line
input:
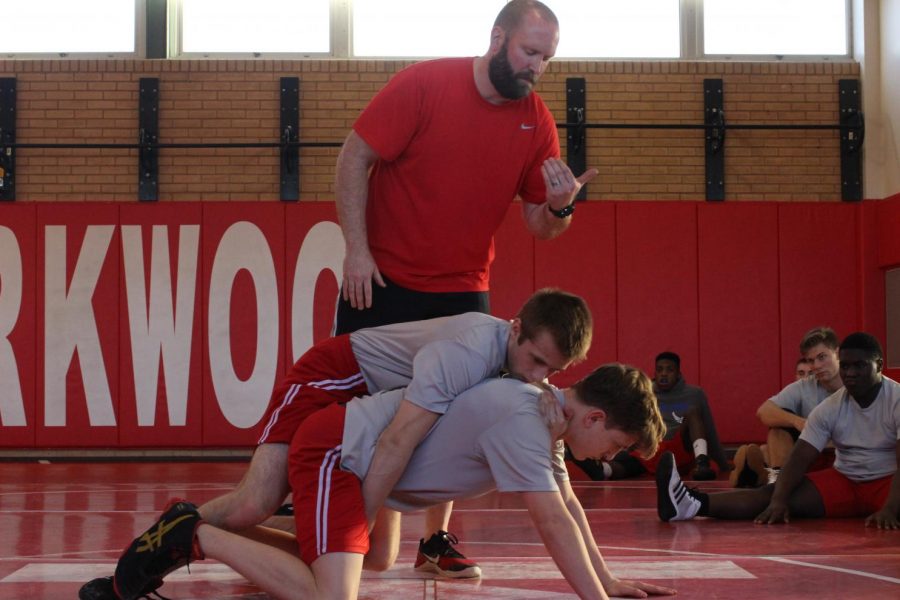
[515,328]
[596,415]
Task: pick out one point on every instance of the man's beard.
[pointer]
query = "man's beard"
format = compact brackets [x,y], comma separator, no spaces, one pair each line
[510,85]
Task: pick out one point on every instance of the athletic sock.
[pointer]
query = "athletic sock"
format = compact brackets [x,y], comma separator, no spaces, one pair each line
[700,447]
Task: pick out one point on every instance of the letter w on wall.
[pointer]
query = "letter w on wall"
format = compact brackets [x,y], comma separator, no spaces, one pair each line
[156,329]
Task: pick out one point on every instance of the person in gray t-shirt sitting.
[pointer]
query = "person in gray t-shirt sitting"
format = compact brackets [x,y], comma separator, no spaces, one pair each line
[492,436]
[862,420]
[785,413]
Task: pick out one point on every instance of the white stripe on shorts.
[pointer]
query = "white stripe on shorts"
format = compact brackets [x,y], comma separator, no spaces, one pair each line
[332,459]
[325,384]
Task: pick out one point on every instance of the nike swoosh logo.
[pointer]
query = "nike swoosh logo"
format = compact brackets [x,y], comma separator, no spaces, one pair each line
[524,126]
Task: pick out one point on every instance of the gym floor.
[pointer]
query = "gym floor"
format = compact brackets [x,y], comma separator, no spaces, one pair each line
[64,523]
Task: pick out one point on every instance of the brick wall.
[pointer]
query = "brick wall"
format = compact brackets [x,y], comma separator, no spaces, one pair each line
[96,101]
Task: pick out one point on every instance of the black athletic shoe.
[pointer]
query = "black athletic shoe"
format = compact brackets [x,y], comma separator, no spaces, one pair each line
[168,545]
[674,501]
[703,472]
[102,589]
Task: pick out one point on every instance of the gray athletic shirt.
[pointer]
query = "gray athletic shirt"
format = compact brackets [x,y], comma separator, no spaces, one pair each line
[865,440]
[447,355]
[492,437]
[801,396]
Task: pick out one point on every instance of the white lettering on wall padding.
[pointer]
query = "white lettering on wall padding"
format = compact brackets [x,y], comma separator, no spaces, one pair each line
[70,325]
[243,246]
[323,248]
[157,329]
[12,408]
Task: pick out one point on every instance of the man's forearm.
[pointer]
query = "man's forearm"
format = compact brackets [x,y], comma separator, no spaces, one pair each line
[392,453]
[577,512]
[564,542]
[542,223]
[387,467]
[771,415]
[802,456]
[351,195]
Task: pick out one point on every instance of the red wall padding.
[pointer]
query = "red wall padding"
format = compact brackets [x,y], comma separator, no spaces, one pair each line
[656,254]
[731,287]
[819,272]
[739,301]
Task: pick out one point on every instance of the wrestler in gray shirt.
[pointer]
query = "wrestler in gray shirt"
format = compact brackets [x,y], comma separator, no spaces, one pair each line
[493,434]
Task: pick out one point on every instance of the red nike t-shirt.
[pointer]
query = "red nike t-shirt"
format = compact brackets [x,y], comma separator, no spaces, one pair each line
[450,164]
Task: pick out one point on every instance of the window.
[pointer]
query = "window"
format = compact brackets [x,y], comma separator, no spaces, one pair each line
[64,26]
[600,29]
[260,26]
[400,28]
[775,27]
[638,28]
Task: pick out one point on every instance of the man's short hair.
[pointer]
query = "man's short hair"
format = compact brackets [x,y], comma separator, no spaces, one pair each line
[511,15]
[802,361]
[669,356]
[819,335]
[625,393]
[865,342]
[566,317]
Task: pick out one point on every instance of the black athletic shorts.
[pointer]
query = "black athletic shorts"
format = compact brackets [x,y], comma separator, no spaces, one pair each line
[395,304]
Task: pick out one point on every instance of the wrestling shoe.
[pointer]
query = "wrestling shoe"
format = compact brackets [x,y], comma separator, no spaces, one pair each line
[101,588]
[438,555]
[749,467]
[169,544]
[703,472]
[674,501]
[772,474]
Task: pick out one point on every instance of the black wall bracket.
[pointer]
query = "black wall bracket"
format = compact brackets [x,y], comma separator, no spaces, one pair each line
[290,134]
[148,137]
[7,138]
[576,137]
[853,131]
[714,120]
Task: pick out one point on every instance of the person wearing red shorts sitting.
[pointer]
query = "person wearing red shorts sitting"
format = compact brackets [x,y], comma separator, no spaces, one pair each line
[862,420]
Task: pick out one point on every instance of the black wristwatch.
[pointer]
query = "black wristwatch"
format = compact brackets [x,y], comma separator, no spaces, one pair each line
[564,212]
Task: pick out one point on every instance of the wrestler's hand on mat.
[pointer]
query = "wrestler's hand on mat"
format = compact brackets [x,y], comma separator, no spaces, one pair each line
[554,414]
[775,513]
[636,589]
[359,271]
[562,185]
[883,519]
